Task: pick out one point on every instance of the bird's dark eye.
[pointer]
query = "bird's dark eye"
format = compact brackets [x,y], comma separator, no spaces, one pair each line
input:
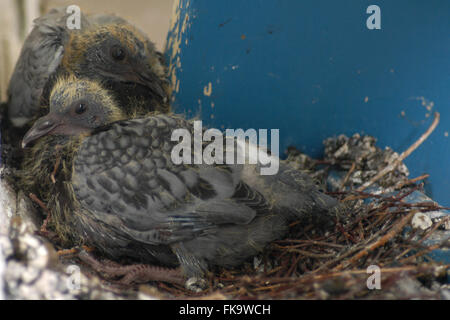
[80,108]
[118,53]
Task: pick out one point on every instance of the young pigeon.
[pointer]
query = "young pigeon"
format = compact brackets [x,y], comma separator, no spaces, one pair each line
[105,48]
[122,193]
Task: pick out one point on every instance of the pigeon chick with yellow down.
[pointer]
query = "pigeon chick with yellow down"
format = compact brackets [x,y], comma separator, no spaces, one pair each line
[105,48]
[121,193]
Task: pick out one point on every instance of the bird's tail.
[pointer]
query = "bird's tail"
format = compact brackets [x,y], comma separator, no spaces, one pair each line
[299,198]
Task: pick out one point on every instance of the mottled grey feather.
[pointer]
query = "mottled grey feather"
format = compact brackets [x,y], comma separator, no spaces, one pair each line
[208,214]
[119,172]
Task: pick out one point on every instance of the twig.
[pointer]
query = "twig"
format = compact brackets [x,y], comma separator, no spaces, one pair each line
[309,242]
[411,181]
[293,266]
[347,176]
[336,260]
[55,168]
[388,236]
[35,199]
[312,254]
[39,202]
[364,271]
[66,252]
[421,253]
[394,164]
[318,277]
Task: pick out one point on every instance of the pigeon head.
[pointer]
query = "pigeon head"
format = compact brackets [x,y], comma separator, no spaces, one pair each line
[76,107]
[115,53]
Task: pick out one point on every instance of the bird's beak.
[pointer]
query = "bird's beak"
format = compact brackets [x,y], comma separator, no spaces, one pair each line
[146,79]
[42,127]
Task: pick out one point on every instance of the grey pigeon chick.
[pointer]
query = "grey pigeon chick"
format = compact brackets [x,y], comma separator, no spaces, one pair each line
[106,48]
[123,194]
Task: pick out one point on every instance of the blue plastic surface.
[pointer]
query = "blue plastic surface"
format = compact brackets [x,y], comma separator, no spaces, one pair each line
[313,69]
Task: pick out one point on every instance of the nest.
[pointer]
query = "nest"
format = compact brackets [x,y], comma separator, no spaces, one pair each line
[378,233]
[333,264]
